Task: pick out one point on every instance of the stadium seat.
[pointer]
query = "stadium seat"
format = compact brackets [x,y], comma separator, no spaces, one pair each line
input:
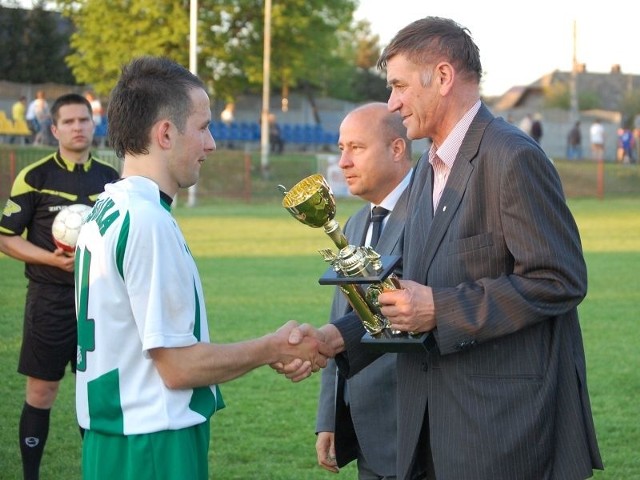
[220,131]
[304,135]
[21,128]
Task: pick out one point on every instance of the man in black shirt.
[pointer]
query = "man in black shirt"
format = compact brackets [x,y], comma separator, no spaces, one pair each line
[70,175]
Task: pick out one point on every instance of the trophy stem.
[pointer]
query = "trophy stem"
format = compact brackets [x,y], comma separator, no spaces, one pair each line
[373,324]
[332,228]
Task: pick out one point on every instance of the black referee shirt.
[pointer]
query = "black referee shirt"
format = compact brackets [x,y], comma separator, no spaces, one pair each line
[39,192]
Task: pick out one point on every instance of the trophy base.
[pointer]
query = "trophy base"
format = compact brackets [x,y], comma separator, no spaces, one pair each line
[399,344]
[389,263]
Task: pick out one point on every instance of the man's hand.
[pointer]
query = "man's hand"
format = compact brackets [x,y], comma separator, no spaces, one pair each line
[410,309]
[21,249]
[307,351]
[328,341]
[326,451]
[63,260]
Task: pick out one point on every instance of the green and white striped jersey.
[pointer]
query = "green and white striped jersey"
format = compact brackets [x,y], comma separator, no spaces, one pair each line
[137,288]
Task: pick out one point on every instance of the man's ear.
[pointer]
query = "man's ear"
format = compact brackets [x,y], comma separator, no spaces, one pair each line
[54,131]
[445,75]
[163,131]
[398,146]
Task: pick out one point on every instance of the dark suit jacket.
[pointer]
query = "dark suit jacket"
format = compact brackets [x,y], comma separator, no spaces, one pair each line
[504,389]
[372,392]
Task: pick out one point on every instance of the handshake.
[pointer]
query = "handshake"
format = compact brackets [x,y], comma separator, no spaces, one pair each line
[301,350]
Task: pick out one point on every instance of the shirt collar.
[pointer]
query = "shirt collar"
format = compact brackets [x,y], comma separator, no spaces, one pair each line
[71,166]
[390,200]
[448,151]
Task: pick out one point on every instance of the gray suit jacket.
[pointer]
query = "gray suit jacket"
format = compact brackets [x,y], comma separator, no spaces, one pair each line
[503,394]
[372,392]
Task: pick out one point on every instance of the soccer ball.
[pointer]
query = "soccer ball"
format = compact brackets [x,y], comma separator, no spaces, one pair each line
[66,225]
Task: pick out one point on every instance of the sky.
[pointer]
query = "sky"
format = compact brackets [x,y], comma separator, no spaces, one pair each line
[522,41]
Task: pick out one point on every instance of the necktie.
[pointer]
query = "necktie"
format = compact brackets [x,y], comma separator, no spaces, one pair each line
[377,216]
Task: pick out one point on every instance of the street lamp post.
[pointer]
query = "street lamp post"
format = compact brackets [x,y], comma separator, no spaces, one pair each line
[573,82]
[193,66]
[266,73]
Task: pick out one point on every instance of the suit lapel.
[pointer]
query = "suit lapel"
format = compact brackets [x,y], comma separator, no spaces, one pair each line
[449,203]
[356,227]
[419,219]
[427,232]
[394,228]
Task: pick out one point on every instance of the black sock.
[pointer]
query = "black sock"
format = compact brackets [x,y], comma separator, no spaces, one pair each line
[34,429]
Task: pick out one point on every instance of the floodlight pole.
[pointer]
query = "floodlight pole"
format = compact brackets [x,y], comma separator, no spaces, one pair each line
[193,66]
[574,112]
[266,73]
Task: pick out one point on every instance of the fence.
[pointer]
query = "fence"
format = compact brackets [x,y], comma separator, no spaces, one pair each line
[226,174]
[11,162]
[237,175]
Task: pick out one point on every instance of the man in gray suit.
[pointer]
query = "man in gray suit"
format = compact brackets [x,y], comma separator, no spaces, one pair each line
[357,417]
[493,269]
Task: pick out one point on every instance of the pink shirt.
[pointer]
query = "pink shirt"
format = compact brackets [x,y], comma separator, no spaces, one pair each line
[441,158]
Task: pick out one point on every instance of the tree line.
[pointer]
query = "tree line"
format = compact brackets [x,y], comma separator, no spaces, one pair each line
[34,44]
[316,45]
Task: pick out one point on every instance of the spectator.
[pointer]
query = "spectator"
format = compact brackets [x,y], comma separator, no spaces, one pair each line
[226,116]
[526,123]
[536,128]
[38,118]
[18,109]
[626,145]
[275,136]
[97,113]
[597,139]
[574,142]
[96,108]
[18,112]
[636,136]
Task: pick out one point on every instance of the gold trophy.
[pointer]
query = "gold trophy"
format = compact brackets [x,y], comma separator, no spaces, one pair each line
[360,272]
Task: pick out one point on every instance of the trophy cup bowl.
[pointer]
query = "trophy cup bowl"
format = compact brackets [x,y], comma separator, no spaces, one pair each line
[311,202]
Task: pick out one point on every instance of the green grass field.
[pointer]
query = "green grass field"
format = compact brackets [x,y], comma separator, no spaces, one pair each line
[259,269]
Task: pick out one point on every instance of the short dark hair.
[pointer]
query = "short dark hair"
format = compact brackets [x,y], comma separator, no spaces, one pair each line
[149,88]
[68,99]
[434,39]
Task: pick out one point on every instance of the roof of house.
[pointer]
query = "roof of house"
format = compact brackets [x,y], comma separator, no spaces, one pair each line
[610,88]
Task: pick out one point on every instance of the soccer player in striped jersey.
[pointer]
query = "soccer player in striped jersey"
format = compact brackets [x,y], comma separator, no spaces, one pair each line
[148,374]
